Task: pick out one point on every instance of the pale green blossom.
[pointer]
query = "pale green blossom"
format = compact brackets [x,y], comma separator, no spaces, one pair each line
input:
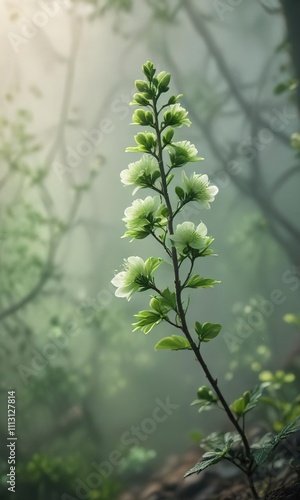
[188,237]
[198,189]
[141,173]
[143,215]
[136,277]
[176,116]
[183,152]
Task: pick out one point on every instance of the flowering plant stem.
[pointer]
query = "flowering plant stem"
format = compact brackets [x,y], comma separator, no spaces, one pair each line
[155,216]
[249,463]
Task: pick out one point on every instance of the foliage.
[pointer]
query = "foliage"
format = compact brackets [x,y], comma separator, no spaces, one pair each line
[136,460]
[37,307]
[45,469]
[185,243]
[281,398]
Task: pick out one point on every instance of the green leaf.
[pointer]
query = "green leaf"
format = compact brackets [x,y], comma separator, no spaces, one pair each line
[180,193]
[197,282]
[152,264]
[155,176]
[204,406]
[261,455]
[218,440]
[173,343]
[168,136]
[169,299]
[147,321]
[138,235]
[209,331]
[214,456]
[170,177]
[154,303]
[281,88]
[249,400]
[208,251]
[157,303]
[198,329]
[263,449]
[210,458]
[290,84]
[174,98]
[160,305]
[136,149]
[254,396]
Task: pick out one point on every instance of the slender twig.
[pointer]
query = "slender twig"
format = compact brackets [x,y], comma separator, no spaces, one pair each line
[161,242]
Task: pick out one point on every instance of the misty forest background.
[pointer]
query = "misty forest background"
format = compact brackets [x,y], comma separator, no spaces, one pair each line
[82,378]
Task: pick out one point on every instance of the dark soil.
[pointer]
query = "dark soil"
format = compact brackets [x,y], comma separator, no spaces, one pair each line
[291,492]
[217,483]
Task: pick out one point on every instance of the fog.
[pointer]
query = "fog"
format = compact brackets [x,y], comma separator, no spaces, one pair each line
[68,70]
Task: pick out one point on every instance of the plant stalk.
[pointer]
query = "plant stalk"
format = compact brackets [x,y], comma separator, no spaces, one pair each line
[181,313]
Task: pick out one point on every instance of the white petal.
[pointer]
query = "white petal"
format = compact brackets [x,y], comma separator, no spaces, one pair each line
[204,178]
[201,229]
[133,261]
[120,293]
[118,280]
[213,190]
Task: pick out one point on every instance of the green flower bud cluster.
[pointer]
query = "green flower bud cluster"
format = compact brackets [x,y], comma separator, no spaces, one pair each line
[154,215]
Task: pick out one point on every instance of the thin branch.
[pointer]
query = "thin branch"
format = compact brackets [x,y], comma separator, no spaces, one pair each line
[46,272]
[274,216]
[270,10]
[4,179]
[67,93]
[283,178]
[201,28]
[12,309]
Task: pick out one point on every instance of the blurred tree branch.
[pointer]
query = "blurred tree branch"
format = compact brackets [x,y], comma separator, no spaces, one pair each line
[203,31]
[270,10]
[252,186]
[45,196]
[291,11]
